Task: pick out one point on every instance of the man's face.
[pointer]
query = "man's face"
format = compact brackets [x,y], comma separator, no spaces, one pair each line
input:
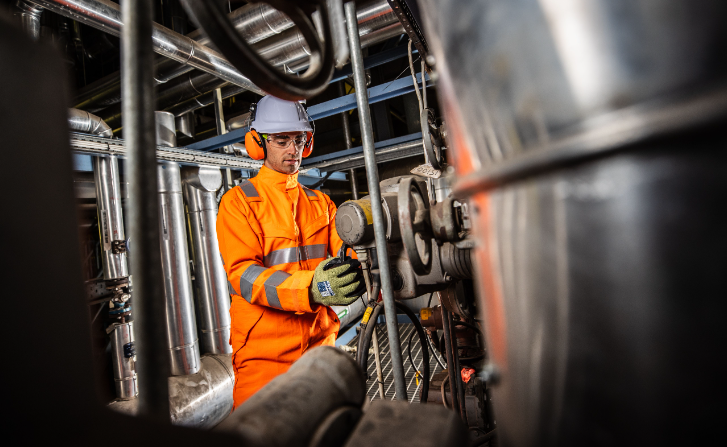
[285,151]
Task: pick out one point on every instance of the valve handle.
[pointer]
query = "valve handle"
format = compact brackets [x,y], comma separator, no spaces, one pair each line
[416,229]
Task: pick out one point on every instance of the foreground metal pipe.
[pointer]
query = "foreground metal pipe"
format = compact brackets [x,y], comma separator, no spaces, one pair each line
[138,94]
[289,409]
[200,400]
[183,348]
[372,177]
[106,16]
[122,359]
[212,295]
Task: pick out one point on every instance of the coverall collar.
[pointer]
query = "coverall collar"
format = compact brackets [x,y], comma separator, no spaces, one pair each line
[277,179]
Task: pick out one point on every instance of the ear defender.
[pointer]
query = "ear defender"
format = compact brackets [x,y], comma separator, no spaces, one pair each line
[308,148]
[255,145]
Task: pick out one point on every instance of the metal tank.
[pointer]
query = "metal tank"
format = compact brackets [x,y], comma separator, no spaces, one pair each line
[210,279]
[589,138]
[181,326]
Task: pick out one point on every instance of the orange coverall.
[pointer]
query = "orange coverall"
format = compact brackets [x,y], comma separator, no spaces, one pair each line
[273,232]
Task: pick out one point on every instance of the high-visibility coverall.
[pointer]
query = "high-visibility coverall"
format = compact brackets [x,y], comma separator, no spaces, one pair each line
[273,232]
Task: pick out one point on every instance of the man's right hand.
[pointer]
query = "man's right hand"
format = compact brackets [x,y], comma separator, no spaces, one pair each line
[337,282]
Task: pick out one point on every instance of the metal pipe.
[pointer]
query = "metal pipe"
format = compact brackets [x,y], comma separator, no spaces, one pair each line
[456,369]
[200,400]
[123,359]
[29,16]
[110,217]
[81,121]
[138,94]
[446,320]
[372,177]
[212,295]
[347,137]
[182,341]
[106,16]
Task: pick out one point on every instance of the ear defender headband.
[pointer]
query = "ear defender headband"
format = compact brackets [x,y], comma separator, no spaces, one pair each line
[255,143]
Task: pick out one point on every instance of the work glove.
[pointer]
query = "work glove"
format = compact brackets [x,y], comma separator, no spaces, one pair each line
[337,282]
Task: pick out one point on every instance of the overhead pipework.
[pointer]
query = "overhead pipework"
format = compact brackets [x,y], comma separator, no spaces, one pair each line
[183,347]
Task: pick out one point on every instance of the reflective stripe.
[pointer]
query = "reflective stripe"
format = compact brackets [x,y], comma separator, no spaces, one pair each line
[230,288]
[293,254]
[309,192]
[282,256]
[248,278]
[249,189]
[313,251]
[271,291]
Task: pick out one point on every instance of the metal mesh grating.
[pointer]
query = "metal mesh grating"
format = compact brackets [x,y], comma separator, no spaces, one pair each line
[413,388]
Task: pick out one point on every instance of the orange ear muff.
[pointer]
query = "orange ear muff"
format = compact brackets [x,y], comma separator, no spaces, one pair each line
[308,145]
[254,145]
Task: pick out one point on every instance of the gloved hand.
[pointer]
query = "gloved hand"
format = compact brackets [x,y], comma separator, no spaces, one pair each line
[337,282]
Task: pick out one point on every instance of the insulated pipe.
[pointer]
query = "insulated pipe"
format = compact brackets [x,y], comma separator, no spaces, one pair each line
[123,360]
[182,342]
[201,400]
[29,15]
[288,410]
[106,16]
[138,94]
[372,177]
[347,137]
[212,295]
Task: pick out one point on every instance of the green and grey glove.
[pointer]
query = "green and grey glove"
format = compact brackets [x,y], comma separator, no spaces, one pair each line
[337,282]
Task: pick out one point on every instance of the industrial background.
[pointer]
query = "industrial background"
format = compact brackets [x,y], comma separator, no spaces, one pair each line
[545,264]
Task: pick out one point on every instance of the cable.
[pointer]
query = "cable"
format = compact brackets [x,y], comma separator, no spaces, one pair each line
[414,78]
[444,395]
[321,181]
[436,357]
[425,349]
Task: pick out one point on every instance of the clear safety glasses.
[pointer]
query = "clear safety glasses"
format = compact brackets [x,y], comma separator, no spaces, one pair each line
[283,141]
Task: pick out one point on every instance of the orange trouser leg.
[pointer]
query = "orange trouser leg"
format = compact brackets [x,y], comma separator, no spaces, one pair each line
[253,375]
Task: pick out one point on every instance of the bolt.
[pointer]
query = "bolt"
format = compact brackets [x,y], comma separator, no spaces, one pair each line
[431,60]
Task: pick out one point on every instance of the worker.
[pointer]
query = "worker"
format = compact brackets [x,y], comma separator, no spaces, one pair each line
[275,236]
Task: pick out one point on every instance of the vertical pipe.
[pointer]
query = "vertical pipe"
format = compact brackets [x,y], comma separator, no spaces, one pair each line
[29,15]
[210,280]
[182,338]
[372,177]
[227,181]
[137,89]
[347,137]
[457,369]
[110,217]
[122,359]
[446,320]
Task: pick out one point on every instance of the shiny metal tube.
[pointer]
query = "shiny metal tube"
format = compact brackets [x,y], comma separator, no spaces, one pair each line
[138,95]
[372,177]
[81,121]
[122,336]
[182,341]
[212,295]
[106,16]
[200,400]
[29,16]
[110,216]
[349,314]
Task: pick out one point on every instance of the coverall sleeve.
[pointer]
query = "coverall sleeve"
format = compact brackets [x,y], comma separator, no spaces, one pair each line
[242,253]
[334,241]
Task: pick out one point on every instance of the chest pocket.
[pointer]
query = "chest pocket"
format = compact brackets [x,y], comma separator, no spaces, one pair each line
[317,230]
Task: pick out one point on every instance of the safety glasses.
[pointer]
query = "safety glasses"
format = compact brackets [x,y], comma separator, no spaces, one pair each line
[283,141]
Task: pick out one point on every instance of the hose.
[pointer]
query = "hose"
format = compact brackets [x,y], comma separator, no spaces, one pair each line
[362,353]
[425,348]
[444,395]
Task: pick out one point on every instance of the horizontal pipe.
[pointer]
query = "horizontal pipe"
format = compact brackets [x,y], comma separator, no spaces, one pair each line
[200,400]
[106,16]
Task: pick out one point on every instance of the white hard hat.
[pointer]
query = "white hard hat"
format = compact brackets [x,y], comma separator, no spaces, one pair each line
[274,115]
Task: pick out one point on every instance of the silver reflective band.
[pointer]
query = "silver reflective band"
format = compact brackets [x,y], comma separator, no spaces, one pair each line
[271,291]
[248,188]
[248,278]
[294,254]
[309,192]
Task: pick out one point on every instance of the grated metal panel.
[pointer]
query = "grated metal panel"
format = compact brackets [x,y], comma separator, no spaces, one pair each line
[405,331]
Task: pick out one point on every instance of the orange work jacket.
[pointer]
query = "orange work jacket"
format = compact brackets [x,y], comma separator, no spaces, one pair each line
[272,233]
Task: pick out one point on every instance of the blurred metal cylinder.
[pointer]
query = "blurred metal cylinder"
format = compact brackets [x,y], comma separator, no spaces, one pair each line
[110,217]
[123,358]
[212,294]
[29,15]
[457,262]
[181,326]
